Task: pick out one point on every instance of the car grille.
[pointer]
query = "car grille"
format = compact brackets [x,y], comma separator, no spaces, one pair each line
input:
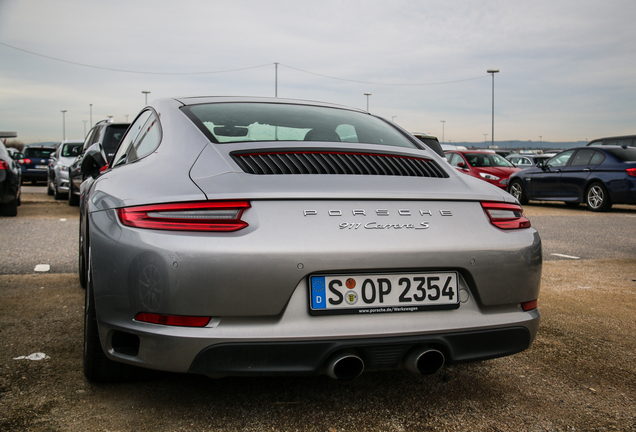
[337,162]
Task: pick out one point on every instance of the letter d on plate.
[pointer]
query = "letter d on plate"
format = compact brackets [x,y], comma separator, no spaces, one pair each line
[318,295]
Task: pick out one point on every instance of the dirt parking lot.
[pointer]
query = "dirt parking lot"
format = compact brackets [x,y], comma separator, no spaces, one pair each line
[580,374]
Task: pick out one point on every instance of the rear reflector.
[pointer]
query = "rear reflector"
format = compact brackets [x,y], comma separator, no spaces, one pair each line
[506,216]
[222,216]
[173,320]
[526,306]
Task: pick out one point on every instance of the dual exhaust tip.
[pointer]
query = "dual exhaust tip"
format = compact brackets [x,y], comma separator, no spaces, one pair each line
[347,366]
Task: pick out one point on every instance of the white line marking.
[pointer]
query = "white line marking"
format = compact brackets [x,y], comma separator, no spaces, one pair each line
[566,256]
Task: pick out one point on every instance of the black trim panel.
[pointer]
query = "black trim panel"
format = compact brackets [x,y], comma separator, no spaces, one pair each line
[308,358]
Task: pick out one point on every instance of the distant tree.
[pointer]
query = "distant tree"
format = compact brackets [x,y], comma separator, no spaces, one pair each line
[17,144]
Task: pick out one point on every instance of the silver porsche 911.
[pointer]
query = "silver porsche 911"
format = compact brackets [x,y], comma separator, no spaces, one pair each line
[250,236]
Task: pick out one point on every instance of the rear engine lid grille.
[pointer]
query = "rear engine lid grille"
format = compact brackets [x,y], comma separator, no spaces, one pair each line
[337,162]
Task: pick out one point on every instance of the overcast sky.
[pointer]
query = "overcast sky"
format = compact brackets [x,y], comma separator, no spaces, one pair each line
[567,68]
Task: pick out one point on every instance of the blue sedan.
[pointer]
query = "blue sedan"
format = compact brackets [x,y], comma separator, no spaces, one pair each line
[599,177]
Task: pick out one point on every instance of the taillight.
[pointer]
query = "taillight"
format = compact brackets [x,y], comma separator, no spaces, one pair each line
[506,216]
[3,165]
[24,161]
[191,216]
[173,320]
[631,172]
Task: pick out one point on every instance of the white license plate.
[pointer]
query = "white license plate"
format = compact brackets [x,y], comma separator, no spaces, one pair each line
[383,293]
[40,167]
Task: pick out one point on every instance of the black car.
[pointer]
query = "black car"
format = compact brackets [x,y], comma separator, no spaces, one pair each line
[104,132]
[35,163]
[10,181]
[597,176]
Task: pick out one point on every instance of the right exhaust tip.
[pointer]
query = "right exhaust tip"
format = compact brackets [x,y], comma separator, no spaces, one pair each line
[424,361]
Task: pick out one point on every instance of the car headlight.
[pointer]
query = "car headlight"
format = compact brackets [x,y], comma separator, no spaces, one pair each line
[63,168]
[489,176]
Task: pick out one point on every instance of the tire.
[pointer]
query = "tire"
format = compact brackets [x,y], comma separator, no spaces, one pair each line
[517,190]
[81,264]
[50,185]
[10,208]
[73,200]
[597,198]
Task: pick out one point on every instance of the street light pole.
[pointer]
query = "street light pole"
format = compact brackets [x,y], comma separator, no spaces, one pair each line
[91,117]
[64,124]
[493,72]
[367,95]
[276,79]
[443,121]
[145,92]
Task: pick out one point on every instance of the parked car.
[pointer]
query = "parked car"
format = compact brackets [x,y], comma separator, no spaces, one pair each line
[10,183]
[35,163]
[484,165]
[627,141]
[60,160]
[242,236]
[108,134]
[527,160]
[599,177]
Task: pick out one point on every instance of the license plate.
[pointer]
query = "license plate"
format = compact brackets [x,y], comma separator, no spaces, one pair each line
[383,293]
[40,167]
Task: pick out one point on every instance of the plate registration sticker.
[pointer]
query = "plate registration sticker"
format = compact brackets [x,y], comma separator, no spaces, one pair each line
[383,293]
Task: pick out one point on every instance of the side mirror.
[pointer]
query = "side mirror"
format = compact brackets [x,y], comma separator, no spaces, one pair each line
[462,165]
[93,161]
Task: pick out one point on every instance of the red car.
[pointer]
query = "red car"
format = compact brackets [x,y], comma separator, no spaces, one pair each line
[484,165]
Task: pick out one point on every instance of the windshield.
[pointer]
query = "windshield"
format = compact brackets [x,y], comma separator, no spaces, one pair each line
[481,160]
[245,122]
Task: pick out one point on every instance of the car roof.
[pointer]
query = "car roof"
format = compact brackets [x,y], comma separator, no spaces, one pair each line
[197,100]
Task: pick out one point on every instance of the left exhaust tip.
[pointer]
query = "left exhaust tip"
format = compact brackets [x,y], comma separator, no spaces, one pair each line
[344,366]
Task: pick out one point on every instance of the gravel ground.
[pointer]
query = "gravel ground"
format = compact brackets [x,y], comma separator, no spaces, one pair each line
[580,374]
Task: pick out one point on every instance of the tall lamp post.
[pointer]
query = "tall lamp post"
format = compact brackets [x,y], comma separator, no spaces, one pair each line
[63,124]
[492,136]
[367,95]
[91,117]
[145,92]
[443,121]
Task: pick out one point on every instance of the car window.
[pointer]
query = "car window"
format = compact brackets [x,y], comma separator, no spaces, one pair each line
[487,160]
[561,159]
[112,138]
[70,150]
[245,122]
[582,157]
[626,155]
[597,158]
[147,140]
[42,153]
[628,142]
[455,159]
[122,154]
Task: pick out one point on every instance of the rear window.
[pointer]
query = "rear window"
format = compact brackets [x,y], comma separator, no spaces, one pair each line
[626,155]
[246,122]
[42,153]
[113,136]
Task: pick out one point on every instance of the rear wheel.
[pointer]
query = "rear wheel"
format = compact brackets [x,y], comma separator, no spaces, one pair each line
[517,190]
[10,208]
[50,188]
[597,198]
